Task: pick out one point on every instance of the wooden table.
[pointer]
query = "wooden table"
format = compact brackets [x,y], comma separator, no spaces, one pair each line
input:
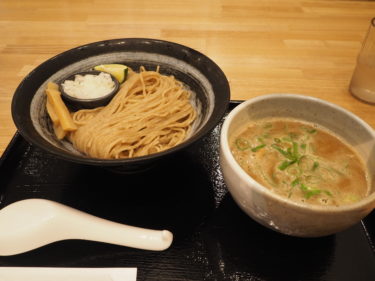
[263,46]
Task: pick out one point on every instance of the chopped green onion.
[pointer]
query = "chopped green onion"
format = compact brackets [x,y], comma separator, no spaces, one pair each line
[295,182]
[290,153]
[312,193]
[315,166]
[285,153]
[304,187]
[255,149]
[309,192]
[242,144]
[309,130]
[295,150]
[328,193]
[286,139]
[286,164]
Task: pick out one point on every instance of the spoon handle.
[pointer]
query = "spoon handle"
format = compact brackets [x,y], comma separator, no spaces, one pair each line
[75,224]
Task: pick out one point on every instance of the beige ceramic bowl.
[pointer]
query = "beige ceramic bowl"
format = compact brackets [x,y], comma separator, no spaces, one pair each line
[274,211]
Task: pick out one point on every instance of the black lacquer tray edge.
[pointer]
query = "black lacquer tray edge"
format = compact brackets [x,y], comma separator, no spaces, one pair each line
[16,138]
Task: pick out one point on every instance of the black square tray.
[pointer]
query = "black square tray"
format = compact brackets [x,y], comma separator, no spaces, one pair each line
[213,238]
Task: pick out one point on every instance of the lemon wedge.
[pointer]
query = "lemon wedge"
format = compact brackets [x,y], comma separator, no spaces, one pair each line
[119,71]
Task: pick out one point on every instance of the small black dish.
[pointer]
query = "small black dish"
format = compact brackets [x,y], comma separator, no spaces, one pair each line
[76,103]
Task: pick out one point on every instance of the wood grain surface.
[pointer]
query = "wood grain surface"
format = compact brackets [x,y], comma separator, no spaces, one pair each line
[263,46]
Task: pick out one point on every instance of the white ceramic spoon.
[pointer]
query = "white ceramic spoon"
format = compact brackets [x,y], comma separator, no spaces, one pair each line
[32,223]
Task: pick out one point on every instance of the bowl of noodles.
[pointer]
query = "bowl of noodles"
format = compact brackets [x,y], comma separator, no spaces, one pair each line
[172,96]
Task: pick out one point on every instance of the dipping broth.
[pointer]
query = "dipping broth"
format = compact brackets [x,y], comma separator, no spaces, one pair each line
[300,161]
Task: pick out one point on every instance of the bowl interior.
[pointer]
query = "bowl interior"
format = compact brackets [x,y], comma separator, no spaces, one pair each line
[341,122]
[196,71]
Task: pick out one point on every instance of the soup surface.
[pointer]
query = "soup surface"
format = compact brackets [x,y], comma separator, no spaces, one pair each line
[300,161]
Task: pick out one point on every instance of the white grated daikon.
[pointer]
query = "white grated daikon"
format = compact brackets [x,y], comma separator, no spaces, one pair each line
[89,86]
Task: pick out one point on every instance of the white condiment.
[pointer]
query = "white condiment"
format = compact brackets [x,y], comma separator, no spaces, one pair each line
[89,86]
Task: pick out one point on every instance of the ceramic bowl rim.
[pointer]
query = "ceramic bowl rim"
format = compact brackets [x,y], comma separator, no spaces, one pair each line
[252,184]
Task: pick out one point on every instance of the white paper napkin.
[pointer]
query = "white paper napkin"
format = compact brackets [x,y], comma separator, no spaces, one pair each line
[67,274]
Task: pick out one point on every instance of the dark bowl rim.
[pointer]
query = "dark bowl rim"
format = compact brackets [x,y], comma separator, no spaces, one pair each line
[217,114]
[83,101]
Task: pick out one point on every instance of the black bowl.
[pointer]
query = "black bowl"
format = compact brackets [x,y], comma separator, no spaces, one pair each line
[194,69]
[76,103]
